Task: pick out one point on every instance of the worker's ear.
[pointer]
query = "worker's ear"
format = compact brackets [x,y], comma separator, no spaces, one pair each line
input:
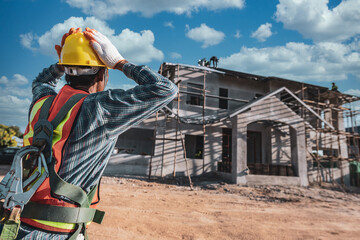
[101,79]
[100,76]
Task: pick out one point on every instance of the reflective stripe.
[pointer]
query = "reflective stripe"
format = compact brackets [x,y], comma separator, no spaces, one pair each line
[33,113]
[66,226]
[58,131]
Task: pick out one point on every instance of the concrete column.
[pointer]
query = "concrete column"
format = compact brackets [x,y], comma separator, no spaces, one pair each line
[239,154]
[301,154]
[294,150]
[268,153]
[213,148]
[327,116]
[158,150]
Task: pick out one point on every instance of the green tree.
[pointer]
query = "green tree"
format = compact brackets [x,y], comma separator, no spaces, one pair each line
[6,136]
[18,133]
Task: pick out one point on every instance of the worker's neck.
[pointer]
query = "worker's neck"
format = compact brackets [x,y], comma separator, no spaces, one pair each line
[97,87]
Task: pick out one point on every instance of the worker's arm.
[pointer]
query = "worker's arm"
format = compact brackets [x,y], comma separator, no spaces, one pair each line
[117,109]
[45,83]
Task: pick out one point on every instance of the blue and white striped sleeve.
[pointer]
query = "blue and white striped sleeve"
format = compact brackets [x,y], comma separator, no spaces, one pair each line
[44,84]
[119,109]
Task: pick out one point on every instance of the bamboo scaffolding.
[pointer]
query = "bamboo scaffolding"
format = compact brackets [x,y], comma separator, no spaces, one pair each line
[214,96]
[323,130]
[186,162]
[154,136]
[302,98]
[178,132]
[204,126]
[317,159]
[187,87]
[339,161]
[177,123]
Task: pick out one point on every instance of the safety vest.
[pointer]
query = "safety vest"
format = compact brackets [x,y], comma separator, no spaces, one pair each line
[44,199]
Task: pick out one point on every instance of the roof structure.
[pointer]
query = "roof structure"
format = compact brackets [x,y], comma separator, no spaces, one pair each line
[210,119]
[324,92]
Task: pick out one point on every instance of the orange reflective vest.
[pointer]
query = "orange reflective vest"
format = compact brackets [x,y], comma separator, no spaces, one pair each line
[43,195]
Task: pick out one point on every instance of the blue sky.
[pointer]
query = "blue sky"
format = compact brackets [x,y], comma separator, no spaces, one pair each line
[314,41]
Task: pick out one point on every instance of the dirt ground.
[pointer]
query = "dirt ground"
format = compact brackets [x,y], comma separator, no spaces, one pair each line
[139,209]
[169,209]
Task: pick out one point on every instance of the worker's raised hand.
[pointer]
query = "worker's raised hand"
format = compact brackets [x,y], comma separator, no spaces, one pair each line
[106,51]
[58,48]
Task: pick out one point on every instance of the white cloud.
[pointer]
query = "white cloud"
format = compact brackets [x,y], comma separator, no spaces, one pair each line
[136,47]
[355,92]
[4,80]
[14,100]
[124,86]
[127,86]
[28,39]
[175,55]
[14,110]
[15,91]
[105,9]
[298,61]
[17,80]
[60,85]
[314,19]
[263,32]
[207,35]
[237,34]
[169,24]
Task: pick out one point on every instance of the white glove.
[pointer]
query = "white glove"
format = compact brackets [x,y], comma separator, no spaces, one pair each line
[106,51]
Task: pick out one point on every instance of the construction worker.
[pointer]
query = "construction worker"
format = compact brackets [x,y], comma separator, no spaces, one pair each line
[334,87]
[84,140]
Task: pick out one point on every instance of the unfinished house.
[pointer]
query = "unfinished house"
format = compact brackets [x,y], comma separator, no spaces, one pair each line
[248,129]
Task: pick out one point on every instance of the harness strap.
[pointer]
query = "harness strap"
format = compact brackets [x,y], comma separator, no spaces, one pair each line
[81,227]
[58,185]
[62,188]
[43,130]
[66,108]
[10,230]
[62,214]
[11,226]
[44,111]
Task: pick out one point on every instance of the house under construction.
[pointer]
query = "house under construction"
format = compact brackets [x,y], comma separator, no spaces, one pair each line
[249,129]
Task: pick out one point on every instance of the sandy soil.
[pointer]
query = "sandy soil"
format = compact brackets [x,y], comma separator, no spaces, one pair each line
[138,209]
[168,209]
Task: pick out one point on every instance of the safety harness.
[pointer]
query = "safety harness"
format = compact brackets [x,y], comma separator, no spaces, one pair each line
[34,167]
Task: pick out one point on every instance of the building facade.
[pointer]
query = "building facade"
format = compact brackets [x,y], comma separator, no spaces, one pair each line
[248,129]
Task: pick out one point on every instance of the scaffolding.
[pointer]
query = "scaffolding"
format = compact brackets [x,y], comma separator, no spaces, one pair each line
[322,112]
[343,140]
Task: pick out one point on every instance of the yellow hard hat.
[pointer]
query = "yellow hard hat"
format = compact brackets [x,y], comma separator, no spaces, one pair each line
[78,52]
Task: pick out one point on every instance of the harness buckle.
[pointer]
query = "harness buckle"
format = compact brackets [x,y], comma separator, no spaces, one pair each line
[15,214]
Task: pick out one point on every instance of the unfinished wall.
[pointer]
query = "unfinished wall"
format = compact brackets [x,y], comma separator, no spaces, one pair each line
[280,145]
[274,110]
[165,161]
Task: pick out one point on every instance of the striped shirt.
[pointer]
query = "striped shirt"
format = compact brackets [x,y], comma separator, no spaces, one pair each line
[102,118]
